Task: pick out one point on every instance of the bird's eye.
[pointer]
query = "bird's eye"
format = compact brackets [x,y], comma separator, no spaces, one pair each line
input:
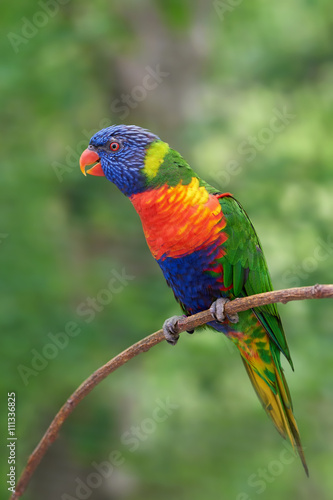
[114,146]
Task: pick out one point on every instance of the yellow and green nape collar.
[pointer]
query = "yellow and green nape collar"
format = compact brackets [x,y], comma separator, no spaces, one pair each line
[154,158]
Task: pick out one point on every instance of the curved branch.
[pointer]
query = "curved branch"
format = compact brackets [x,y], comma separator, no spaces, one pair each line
[186,323]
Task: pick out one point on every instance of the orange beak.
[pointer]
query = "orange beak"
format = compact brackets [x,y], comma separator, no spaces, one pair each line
[89,157]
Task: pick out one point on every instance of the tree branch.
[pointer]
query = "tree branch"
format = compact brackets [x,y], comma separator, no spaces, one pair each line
[186,323]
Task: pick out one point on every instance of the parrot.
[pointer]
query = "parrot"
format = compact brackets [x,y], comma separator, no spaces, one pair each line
[208,251]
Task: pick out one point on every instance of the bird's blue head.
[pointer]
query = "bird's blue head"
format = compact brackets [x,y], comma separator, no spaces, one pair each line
[120,152]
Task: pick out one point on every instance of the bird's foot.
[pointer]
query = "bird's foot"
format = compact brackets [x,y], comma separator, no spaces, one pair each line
[170,329]
[217,310]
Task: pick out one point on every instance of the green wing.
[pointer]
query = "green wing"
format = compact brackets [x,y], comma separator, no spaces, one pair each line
[245,268]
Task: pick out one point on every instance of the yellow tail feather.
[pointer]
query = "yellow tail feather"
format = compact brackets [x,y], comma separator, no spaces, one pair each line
[278,407]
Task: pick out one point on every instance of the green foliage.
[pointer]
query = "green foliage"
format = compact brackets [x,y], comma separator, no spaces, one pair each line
[246,97]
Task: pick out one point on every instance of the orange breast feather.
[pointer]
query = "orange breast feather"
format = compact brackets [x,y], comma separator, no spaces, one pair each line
[180,220]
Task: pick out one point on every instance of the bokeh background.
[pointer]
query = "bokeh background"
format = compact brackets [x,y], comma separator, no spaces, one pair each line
[244,90]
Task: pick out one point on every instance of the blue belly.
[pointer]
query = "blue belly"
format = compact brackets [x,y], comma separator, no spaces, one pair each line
[193,287]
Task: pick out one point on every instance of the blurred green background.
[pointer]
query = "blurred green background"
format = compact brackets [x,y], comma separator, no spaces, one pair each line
[223,72]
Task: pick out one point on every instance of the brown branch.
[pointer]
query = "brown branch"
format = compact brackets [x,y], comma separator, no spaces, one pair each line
[186,323]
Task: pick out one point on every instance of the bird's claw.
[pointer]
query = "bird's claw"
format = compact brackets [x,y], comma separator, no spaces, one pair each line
[170,329]
[217,310]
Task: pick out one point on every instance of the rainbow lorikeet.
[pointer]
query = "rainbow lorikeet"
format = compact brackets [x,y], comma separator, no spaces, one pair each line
[208,251]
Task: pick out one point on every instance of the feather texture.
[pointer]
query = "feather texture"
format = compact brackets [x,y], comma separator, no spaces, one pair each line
[207,248]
